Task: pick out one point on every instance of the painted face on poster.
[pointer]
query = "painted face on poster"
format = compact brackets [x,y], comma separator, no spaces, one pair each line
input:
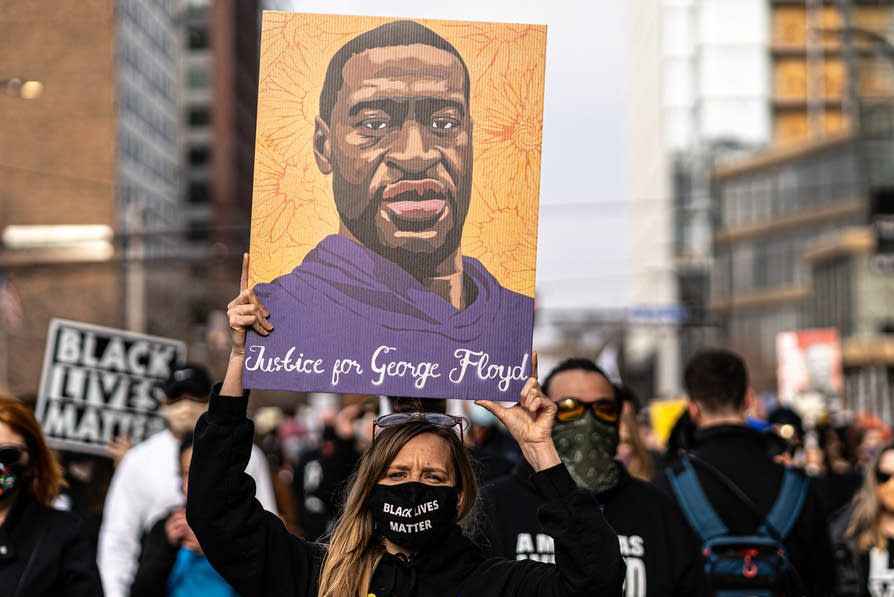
[404,262]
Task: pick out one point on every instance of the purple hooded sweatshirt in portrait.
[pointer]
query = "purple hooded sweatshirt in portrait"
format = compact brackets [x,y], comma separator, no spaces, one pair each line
[350,321]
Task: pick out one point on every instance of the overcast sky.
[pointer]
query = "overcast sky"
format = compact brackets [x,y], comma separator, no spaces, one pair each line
[583,253]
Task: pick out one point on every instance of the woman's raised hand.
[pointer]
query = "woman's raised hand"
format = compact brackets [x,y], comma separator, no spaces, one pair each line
[246,311]
[530,421]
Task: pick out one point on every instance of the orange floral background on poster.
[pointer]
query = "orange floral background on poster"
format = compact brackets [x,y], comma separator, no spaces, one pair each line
[292,205]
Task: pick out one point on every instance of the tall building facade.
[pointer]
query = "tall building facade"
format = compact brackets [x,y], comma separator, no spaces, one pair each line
[792,242]
[708,114]
[218,81]
[811,44]
[97,148]
[793,250]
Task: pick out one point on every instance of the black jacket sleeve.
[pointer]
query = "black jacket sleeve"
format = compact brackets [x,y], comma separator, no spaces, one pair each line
[247,545]
[574,519]
[588,556]
[156,562]
[79,572]
[820,574]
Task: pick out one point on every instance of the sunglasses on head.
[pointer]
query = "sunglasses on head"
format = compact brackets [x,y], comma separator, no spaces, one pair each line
[572,409]
[882,477]
[437,419]
[11,454]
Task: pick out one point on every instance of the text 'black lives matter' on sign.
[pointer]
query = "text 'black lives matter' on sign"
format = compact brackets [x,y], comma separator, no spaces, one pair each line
[100,383]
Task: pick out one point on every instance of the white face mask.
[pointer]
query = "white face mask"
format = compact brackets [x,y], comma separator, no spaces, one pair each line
[183,415]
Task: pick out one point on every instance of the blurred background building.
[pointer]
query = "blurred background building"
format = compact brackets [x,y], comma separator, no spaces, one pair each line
[775,119]
[127,168]
[127,131]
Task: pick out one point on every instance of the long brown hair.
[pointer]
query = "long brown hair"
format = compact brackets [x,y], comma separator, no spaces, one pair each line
[43,468]
[864,527]
[354,551]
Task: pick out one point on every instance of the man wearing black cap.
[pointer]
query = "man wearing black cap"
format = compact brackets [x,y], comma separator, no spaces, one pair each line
[146,484]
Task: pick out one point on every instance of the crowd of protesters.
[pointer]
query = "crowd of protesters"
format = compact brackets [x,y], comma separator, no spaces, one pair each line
[566,493]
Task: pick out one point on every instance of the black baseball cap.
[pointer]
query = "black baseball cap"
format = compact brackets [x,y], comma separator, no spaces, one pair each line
[189,379]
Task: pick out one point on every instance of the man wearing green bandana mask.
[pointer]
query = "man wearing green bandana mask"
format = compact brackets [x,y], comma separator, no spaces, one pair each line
[586,431]
[660,551]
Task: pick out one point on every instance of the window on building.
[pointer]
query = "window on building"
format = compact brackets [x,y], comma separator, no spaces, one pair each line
[199,116]
[199,155]
[198,193]
[197,77]
[197,37]
[198,231]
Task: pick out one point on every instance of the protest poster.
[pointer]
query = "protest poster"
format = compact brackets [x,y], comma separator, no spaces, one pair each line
[388,267]
[99,383]
[810,372]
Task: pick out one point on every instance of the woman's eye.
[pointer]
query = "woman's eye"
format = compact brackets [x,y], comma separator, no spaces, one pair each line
[395,475]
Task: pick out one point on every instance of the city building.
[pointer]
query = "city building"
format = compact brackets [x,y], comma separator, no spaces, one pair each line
[793,250]
[219,44]
[98,149]
[790,86]
[810,45]
[138,151]
[707,114]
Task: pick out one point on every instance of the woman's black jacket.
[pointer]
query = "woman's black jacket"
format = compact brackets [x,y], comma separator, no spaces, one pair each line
[255,553]
[45,553]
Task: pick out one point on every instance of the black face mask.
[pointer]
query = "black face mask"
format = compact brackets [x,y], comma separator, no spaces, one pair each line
[413,515]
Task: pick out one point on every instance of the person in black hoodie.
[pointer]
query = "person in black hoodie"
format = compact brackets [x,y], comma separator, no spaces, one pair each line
[398,535]
[717,384]
[659,549]
[43,552]
[322,472]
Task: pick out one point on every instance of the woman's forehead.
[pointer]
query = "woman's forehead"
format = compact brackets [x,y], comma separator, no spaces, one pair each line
[425,450]
[9,436]
[886,462]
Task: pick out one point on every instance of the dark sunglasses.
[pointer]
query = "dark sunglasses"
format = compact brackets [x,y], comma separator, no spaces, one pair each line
[572,409]
[882,477]
[436,419]
[11,454]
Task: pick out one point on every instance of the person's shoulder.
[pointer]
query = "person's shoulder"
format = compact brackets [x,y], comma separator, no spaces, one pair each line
[149,451]
[510,484]
[60,523]
[649,491]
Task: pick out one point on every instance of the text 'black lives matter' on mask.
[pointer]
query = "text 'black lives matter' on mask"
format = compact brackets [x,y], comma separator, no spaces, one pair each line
[413,515]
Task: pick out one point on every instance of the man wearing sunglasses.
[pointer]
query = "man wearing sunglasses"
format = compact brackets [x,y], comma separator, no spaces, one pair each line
[147,484]
[661,553]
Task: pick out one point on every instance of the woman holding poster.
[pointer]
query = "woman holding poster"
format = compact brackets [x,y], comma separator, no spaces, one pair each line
[399,534]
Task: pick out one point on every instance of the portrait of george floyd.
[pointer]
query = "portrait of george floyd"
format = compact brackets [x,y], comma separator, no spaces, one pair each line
[395,205]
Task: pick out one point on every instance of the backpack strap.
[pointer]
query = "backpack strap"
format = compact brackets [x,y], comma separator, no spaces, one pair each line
[692,500]
[787,508]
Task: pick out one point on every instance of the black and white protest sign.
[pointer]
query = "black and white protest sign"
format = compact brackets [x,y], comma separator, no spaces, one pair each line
[100,383]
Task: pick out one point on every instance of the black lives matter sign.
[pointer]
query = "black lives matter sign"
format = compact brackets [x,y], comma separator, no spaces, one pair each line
[100,383]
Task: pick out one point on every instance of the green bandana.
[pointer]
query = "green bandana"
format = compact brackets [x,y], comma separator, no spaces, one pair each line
[587,446]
